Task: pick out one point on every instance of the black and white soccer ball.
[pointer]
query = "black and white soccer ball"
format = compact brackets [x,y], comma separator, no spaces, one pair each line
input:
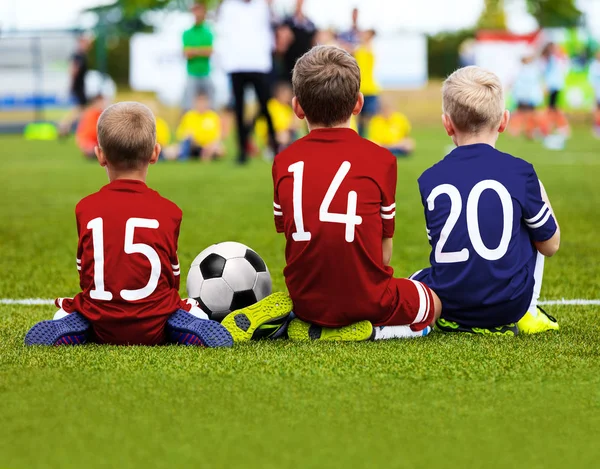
[226,277]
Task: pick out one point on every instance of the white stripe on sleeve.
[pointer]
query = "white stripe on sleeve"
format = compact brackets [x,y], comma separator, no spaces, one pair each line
[277,213]
[541,222]
[388,216]
[388,208]
[538,216]
[277,206]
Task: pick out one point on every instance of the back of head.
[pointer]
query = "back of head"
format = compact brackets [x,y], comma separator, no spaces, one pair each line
[473,98]
[127,135]
[326,82]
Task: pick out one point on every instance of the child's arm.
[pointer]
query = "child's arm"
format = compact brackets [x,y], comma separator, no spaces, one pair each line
[388,247]
[549,247]
[538,217]
[191,52]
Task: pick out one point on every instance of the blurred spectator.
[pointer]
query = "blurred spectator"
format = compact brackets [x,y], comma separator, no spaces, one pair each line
[199,132]
[528,93]
[281,111]
[594,76]
[303,32]
[326,37]
[86,135]
[365,57]
[197,48]
[78,70]
[391,130]
[247,42]
[350,39]
[556,69]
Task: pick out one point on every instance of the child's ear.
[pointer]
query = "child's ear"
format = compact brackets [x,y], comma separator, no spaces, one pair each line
[504,122]
[360,102]
[297,108]
[100,155]
[448,125]
[155,154]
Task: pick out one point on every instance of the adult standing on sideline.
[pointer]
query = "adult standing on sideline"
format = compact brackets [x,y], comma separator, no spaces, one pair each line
[246,44]
[350,39]
[197,48]
[303,32]
[78,70]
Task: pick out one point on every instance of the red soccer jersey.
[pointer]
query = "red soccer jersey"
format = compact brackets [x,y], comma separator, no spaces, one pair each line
[127,262]
[334,200]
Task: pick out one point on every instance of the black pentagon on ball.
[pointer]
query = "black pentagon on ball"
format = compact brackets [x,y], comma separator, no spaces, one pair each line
[241,299]
[212,266]
[255,261]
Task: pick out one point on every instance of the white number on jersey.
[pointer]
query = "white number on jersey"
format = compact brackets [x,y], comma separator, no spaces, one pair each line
[97,227]
[472,221]
[350,219]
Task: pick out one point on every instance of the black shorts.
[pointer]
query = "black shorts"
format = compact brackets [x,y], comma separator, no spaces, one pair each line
[553,98]
[78,96]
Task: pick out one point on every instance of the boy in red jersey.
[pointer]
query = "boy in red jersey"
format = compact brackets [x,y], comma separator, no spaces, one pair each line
[127,252]
[335,202]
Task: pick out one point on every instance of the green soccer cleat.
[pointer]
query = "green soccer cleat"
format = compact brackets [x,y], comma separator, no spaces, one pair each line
[243,323]
[444,325]
[357,332]
[542,322]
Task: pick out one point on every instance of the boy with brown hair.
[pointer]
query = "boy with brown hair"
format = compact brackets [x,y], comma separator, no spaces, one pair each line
[334,198]
[489,219]
[127,253]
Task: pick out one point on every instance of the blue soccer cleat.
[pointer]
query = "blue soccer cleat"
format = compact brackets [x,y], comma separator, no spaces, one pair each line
[184,328]
[73,329]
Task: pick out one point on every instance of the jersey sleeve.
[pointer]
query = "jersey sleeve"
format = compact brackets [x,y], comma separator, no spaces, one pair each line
[173,257]
[537,215]
[277,210]
[388,199]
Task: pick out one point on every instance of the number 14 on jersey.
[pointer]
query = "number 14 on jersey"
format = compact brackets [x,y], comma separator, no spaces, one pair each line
[350,218]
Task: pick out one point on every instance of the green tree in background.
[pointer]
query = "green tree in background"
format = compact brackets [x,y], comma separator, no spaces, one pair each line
[555,13]
[493,16]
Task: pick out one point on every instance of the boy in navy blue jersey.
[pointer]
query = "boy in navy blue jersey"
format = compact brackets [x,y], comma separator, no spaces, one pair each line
[489,220]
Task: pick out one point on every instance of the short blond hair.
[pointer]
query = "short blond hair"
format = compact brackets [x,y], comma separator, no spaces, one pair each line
[326,82]
[473,98]
[127,134]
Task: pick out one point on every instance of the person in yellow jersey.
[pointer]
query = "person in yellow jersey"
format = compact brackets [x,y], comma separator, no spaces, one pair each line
[365,57]
[199,132]
[282,114]
[391,129]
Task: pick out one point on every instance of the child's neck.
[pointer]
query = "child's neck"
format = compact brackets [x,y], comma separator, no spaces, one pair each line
[130,174]
[489,138]
[341,125]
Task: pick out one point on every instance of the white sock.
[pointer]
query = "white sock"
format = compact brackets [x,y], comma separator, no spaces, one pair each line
[61,313]
[196,310]
[398,332]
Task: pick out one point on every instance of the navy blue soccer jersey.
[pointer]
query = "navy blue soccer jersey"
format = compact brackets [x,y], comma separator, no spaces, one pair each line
[483,210]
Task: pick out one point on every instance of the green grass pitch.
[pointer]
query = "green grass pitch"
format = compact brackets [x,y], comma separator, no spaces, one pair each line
[442,401]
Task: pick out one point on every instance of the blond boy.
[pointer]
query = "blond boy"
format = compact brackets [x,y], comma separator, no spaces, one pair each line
[127,260]
[489,221]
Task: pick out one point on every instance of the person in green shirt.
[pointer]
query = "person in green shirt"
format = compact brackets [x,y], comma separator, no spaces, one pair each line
[197,48]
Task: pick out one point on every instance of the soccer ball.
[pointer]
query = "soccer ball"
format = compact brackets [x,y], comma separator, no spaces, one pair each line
[226,277]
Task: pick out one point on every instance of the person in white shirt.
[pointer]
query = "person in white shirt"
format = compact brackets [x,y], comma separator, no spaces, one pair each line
[594,77]
[245,53]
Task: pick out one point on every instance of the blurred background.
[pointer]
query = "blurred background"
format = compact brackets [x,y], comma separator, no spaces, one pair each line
[137,49]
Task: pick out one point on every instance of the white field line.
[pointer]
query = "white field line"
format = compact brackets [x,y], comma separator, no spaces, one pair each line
[560,302]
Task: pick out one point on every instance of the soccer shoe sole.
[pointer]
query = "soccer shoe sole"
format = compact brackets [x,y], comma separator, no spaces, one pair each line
[357,332]
[243,323]
[444,325]
[186,329]
[70,330]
